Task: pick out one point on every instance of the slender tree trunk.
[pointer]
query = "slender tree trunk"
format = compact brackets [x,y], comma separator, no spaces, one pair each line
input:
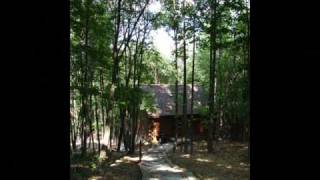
[72,137]
[90,123]
[112,129]
[138,74]
[83,133]
[185,120]
[176,85]
[84,117]
[115,57]
[129,69]
[101,103]
[134,122]
[122,116]
[85,82]
[97,123]
[209,140]
[125,140]
[142,49]
[73,126]
[192,87]
[212,76]
[135,60]
[115,44]
[131,141]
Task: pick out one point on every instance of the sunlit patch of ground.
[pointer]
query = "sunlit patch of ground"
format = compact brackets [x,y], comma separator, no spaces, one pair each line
[126,170]
[229,163]
[95,167]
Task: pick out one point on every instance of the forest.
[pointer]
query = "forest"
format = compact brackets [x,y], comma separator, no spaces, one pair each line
[113,55]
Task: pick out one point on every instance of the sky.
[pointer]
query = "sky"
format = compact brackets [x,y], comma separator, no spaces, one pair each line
[163,43]
[161,39]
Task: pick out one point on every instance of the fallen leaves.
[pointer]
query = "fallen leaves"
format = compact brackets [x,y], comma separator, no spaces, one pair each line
[96,168]
[229,163]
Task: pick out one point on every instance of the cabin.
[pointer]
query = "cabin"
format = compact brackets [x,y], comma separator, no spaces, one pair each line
[162,122]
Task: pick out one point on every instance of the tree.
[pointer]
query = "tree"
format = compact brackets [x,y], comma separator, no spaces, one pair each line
[112,55]
[192,86]
[213,7]
[184,109]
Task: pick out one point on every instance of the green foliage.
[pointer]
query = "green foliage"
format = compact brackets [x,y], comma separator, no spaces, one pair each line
[156,69]
[204,111]
[93,59]
[147,103]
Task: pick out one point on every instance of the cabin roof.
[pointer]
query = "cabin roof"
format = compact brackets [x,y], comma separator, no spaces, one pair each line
[164,99]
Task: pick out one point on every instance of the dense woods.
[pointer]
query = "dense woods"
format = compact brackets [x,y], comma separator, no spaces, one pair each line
[112,54]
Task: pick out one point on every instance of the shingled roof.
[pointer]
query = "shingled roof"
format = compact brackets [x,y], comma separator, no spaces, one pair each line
[164,96]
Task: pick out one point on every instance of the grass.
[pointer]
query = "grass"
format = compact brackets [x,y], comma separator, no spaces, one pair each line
[229,163]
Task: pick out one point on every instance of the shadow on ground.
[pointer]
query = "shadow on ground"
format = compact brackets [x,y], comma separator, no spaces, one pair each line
[230,162]
[92,167]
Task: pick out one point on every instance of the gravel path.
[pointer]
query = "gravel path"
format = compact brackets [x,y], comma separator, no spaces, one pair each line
[156,165]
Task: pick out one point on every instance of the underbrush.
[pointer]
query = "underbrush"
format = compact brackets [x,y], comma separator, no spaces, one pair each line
[93,166]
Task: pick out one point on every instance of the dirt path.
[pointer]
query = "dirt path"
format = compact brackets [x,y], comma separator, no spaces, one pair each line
[156,165]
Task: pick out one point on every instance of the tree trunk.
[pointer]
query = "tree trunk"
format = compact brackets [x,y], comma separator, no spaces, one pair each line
[112,128]
[192,87]
[176,88]
[73,126]
[90,123]
[83,132]
[212,76]
[185,120]
[126,137]
[115,44]
[122,116]
[97,123]
[101,103]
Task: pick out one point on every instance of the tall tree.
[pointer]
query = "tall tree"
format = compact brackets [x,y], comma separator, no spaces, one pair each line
[184,110]
[112,54]
[192,85]
[213,49]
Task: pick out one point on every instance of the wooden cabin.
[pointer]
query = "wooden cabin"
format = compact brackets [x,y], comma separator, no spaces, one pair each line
[162,122]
